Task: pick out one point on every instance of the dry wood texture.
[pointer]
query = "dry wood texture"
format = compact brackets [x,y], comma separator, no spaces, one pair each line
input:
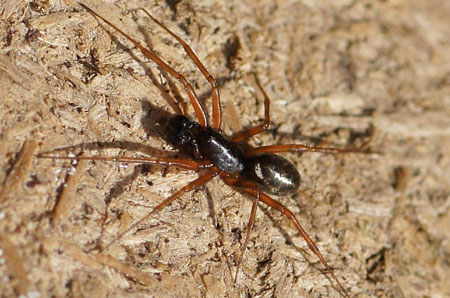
[340,73]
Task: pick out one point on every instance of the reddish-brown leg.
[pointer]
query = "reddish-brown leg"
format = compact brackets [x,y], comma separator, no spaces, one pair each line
[160,161]
[237,182]
[216,107]
[247,133]
[300,148]
[312,246]
[192,185]
[199,112]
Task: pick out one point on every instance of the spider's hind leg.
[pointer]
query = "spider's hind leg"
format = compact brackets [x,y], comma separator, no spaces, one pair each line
[312,246]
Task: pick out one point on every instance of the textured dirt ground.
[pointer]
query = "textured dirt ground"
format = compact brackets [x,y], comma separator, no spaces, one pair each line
[359,73]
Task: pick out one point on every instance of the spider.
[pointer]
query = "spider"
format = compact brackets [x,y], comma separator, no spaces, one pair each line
[256,171]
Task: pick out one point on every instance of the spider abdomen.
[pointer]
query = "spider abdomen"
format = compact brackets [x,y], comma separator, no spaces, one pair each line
[275,174]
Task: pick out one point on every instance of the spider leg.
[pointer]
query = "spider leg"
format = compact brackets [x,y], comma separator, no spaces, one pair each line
[216,107]
[199,112]
[236,182]
[302,148]
[192,185]
[312,246]
[249,132]
[160,161]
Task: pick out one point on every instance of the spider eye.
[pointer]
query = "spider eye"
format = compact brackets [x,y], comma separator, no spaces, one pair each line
[178,128]
[180,139]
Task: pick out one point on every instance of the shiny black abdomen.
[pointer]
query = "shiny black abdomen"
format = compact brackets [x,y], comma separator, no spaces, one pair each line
[275,174]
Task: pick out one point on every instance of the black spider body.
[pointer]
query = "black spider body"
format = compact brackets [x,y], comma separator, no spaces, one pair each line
[275,174]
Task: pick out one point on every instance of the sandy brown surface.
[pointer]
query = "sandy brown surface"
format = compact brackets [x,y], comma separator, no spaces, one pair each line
[358,73]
